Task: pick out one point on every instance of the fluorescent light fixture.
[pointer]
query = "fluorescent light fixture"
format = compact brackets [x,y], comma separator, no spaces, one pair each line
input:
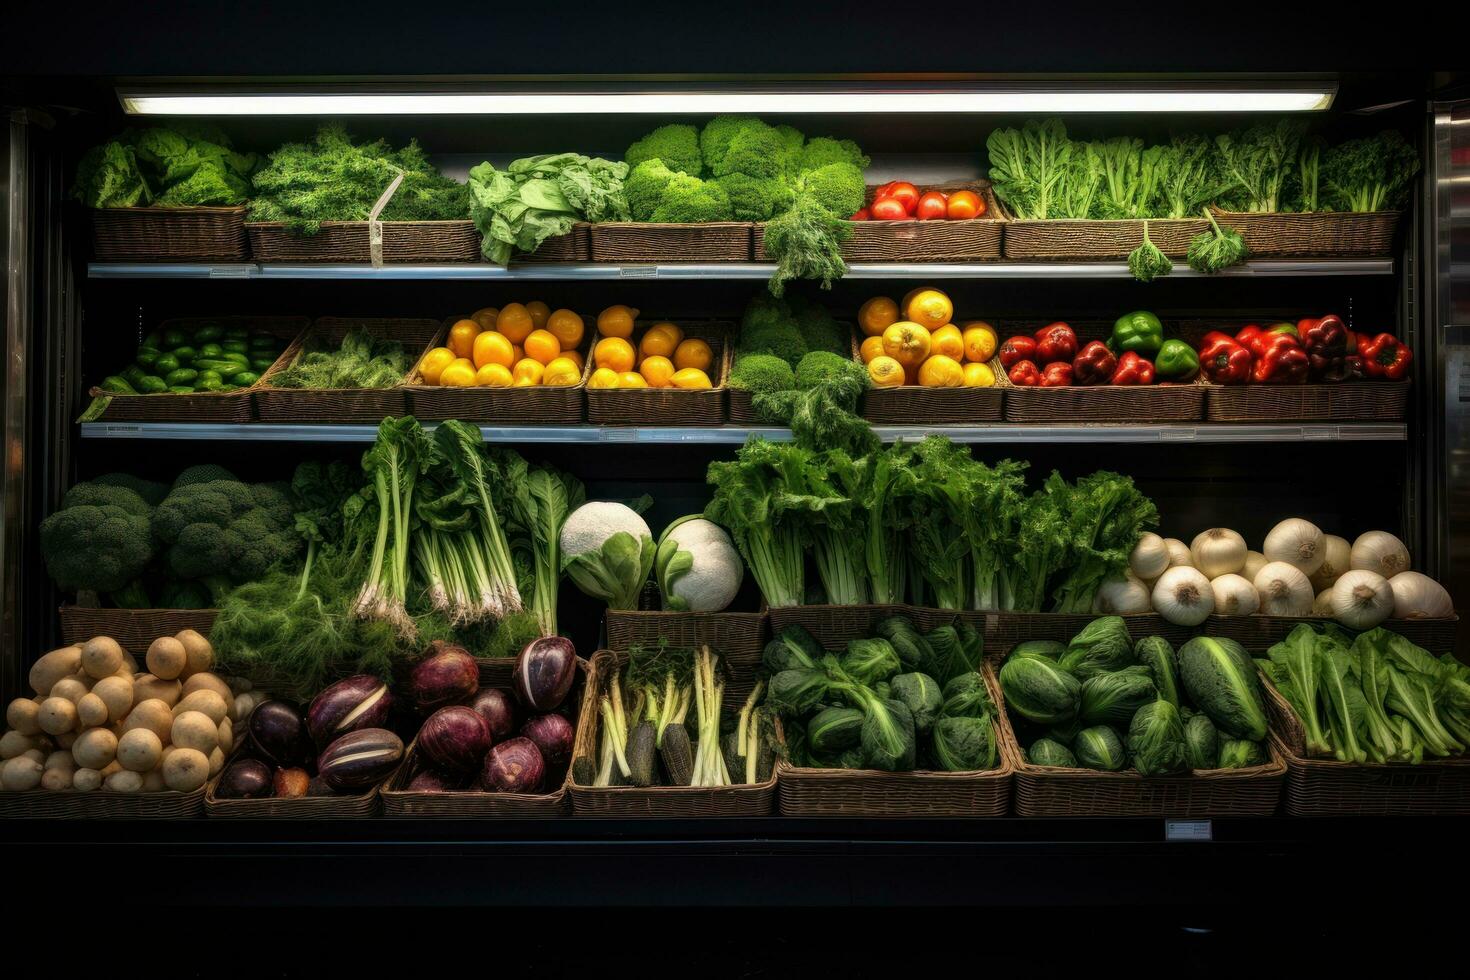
[1027,99]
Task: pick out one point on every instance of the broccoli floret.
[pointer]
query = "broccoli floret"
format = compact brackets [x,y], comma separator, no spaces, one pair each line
[225,531]
[821,366]
[756,150]
[151,491]
[689,200]
[645,188]
[676,145]
[99,494]
[755,198]
[717,135]
[791,143]
[817,325]
[783,342]
[822,150]
[202,473]
[761,373]
[100,548]
[838,187]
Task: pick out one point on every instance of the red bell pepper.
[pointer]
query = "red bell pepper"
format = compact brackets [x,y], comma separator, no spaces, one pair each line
[1255,340]
[1133,370]
[1223,361]
[1281,362]
[1056,342]
[1246,334]
[1325,341]
[1057,374]
[1384,356]
[1024,374]
[1094,364]
[1015,350]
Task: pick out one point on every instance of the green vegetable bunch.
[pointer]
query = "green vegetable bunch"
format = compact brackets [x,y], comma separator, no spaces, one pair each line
[360,360]
[181,166]
[518,208]
[1372,174]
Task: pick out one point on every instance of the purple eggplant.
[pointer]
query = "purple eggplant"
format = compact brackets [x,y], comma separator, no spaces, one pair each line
[277,733]
[544,673]
[359,759]
[446,675]
[433,781]
[499,709]
[244,779]
[553,736]
[515,766]
[455,739]
[349,705]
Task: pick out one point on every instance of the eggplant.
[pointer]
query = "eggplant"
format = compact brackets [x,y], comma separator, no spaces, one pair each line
[244,779]
[455,739]
[432,781]
[446,675]
[291,783]
[544,673]
[349,705]
[357,760]
[513,766]
[498,707]
[553,736]
[278,734]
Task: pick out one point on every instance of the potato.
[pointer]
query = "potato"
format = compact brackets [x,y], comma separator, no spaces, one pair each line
[216,762]
[153,715]
[117,693]
[130,663]
[205,681]
[20,716]
[147,687]
[57,715]
[13,744]
[95,748]
[102,656]
[70,688]
[227,736]
[125,781]
[65,740]
[200,653]
[194,730]
[53,666]
[22,773]
[86,780]
[56,780]
[60,759]
[153,781]
[186,770]
[139,750]
[166,658]
[35,755]
[207,702]
[91,711]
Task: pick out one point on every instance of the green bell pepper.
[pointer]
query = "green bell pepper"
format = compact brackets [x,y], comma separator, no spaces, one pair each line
[1176,361]
[1140,332]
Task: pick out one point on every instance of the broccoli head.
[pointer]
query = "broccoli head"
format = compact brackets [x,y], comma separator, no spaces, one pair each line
[100,547]
[822,150]
[225,531]
[202,473]
[817,325]
[645,188]
[791,143]
[97,493]
[838,187]
[755,198]
[767,327]
[676,145]
[757,150]
[151,492]
[821,366]
[761,373]
[715,139]
[689,200]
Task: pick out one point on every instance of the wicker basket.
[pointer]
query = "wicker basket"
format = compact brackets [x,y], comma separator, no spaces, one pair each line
[659,802]
[206,406]
[574,246]
[740,637]
[100,804]
[347,242]
[1318,234]
[134,629]
[669,406]
[1326,787]
[1348,401]
[918,405]
[399,801]
[534,405]
[343,404]
[1084,238]
[169,234]
[339,807]
[647,242]
[1055,791]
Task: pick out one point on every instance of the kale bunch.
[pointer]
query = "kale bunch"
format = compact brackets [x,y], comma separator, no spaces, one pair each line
[184,165]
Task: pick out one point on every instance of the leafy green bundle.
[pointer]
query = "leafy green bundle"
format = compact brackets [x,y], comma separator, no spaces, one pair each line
[184,165]
[518,208]
[360,360]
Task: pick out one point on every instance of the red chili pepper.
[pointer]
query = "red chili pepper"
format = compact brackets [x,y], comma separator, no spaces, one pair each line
[1057,374]
[1133,370]
[1384,356]
[1223,361]
[1325,342]
[1056,342]
[1024,374]
[1281,362]
[1016,349]
[1094,364]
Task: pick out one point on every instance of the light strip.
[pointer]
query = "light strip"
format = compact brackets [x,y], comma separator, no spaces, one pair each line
[713,101]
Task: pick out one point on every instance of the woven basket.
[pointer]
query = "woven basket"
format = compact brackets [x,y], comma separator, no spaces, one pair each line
[1055,791]
[740,637]
[100,804]
[399,801]
[347,242]
[535,405]
[343,404]
[659,802]
[1326,787]
[918,405]
[1348,401]
[134,629]
[169,234]
[647,242]
[206,406]
[339,807]
[669,406]
[1083,238]
[574,246]
[1318,234]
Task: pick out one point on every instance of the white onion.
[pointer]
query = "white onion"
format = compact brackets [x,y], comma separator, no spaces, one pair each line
[1285,590]
[1234,596]
[1126,596]
[1218,551]
[1178,553]
[1254,562]
[1381,552]
[1183,596]
[1149,557]
[1361,599]
[1417,596]
[1322,605]
[1336,553]
[1296,542]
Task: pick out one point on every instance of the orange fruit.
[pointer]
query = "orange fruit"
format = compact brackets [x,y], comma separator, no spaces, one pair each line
[491,347]
[517,352]
[670,328]
[543,346]
[540,313]
[877,315]
[460,374]
[948,341]
[929,308]
[980,340]
[434,363]
[527,372]
[573,356]
[631,379]
[903,304]
[978,375]
[657,371]
[907,343]
[603,378]
[561,372]
[871,348]
[515,322]
[613,352]
[691,378]
[567,327]
[493,376]
[485,316]
[462,337]
[693,353]
[885,372]
[617,321]
[659,341]
[941,371]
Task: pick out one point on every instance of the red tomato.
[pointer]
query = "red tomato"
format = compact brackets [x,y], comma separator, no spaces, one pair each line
[888,209]
[964,205]
[905,193]
[931,206]
[861,215]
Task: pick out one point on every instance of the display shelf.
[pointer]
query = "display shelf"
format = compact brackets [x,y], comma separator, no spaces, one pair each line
[735,435]
[556,272]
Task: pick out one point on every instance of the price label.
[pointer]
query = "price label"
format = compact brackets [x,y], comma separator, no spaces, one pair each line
[638,272]
[1188,830]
